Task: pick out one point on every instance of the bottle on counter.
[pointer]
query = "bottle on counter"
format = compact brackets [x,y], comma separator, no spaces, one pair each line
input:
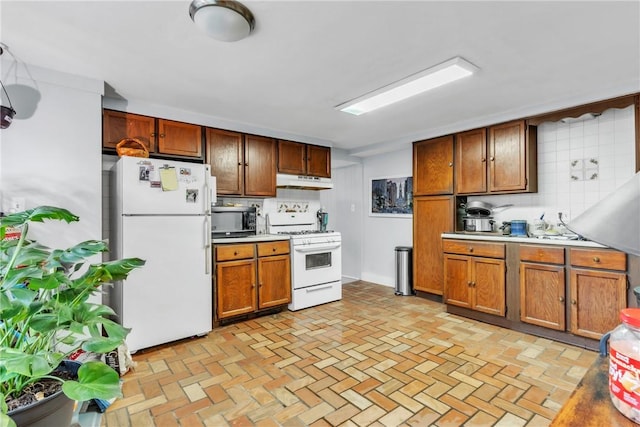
[624,364]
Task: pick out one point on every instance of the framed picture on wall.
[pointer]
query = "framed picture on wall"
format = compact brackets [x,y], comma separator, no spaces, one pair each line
[391,197]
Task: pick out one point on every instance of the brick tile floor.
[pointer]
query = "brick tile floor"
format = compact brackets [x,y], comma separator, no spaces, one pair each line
[372,358]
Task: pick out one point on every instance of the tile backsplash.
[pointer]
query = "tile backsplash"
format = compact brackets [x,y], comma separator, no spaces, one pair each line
[578,164]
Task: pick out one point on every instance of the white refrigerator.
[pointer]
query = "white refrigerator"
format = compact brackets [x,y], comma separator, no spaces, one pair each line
[160,212]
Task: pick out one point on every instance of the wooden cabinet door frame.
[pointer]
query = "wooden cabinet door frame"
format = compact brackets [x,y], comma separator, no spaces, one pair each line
[117,125]
[471,162]
[259,166]
[433,166]
[596,300]
[507,157]
[488,278]
[318,161]
[458,289]
[178,138]
[225,156]
[274,281]
[292,157]
[542,295]
[234,288]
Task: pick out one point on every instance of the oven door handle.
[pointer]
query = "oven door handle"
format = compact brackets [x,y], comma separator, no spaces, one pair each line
[306,249]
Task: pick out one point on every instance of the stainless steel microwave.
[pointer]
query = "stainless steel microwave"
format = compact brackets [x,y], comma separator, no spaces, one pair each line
[233,221]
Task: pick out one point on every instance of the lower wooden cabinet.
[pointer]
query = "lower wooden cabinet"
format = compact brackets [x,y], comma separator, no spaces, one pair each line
[597,295]
[251,276]
[542,286]
[475,282]
[592,302]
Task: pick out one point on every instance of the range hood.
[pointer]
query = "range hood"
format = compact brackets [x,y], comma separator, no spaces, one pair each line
[302,182]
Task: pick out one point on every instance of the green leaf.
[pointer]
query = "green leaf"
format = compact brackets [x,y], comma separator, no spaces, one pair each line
[30,365]
[96,380]
[38,214]
[6,420]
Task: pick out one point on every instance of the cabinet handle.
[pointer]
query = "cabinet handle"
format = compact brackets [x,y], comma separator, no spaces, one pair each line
[573,302]
[469,283]
[235,253]
[253,286]
[450,164]
[561,299]
[273,249]
[473,284]
[153,134]
[492,158]
[239,163]
[596,259]
[484,160]
[162,135]
[246,164]
[470,249]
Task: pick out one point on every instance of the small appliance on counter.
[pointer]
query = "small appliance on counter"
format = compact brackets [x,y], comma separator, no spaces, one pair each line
[323,220]
[519,228]
[478,223]
[233,221]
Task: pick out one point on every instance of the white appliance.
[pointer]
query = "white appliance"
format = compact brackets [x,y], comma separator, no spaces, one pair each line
[161,213]
[316,259]
[303,182]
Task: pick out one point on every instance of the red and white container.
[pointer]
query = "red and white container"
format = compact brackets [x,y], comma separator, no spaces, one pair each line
[624,364]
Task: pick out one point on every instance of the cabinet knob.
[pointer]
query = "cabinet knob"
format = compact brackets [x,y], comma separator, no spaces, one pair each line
[246,164]
[450,164]
[273,249]
[574,302]
[469,283]
[492,158]
[153,134]
[253,286]
[239,163]
[235,253]
[473,284]
[561,299]
[162,135]
[484,160]
[596,259]
[470,249]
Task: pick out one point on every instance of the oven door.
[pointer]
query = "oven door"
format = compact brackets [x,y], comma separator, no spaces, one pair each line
[316,264]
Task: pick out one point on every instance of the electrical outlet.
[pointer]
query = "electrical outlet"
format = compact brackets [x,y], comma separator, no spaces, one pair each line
[17,204]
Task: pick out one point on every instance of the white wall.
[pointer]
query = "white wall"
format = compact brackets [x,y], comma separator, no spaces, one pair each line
[54,156]
[345,206]
[381,235]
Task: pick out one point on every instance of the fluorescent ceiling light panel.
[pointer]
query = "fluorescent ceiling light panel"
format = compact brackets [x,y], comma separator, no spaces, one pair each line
[439,75]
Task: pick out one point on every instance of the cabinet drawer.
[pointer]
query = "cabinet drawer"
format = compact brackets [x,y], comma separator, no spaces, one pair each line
[273,248]
[233,252]
[471,247]
[599,258]
[544,254]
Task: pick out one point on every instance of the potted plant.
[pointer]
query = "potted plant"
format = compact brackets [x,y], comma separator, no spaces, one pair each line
[45,314]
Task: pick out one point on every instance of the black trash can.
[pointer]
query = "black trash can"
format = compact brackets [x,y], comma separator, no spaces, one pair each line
[404,274]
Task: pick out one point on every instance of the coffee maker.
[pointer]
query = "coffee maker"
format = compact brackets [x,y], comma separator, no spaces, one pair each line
[323,219]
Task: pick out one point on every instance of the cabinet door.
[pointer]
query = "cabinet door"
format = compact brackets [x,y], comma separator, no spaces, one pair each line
[596,300]
[292,157]
[542,295]
[224,154]
[181,139]
[432,216]
[457,280]
[319,161]
[235,288]
[471,162]
[488,282]
[274,281]
[117,125]
[507,167]
[259,166]
[433,166]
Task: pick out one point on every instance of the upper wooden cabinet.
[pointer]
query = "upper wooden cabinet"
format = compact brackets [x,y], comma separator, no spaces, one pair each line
[117,125]
[433,166]
[513,158]
[304,159]
[471,162]
[160,136]
[244,165]
[502,160]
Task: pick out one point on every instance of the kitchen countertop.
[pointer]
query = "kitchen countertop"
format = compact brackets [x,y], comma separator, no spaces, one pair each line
[251,239]
[497,237]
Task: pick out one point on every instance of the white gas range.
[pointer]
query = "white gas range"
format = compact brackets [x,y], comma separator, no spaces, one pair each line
[316,259]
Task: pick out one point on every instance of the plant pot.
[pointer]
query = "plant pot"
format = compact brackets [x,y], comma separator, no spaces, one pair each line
[54,410]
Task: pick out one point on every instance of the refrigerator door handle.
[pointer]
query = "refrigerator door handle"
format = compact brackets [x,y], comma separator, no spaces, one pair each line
[207,245]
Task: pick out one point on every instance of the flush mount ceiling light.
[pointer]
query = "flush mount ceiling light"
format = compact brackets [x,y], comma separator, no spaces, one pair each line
[431,78]
[224,20]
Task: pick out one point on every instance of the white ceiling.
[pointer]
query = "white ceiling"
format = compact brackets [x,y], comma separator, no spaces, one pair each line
[305,57]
